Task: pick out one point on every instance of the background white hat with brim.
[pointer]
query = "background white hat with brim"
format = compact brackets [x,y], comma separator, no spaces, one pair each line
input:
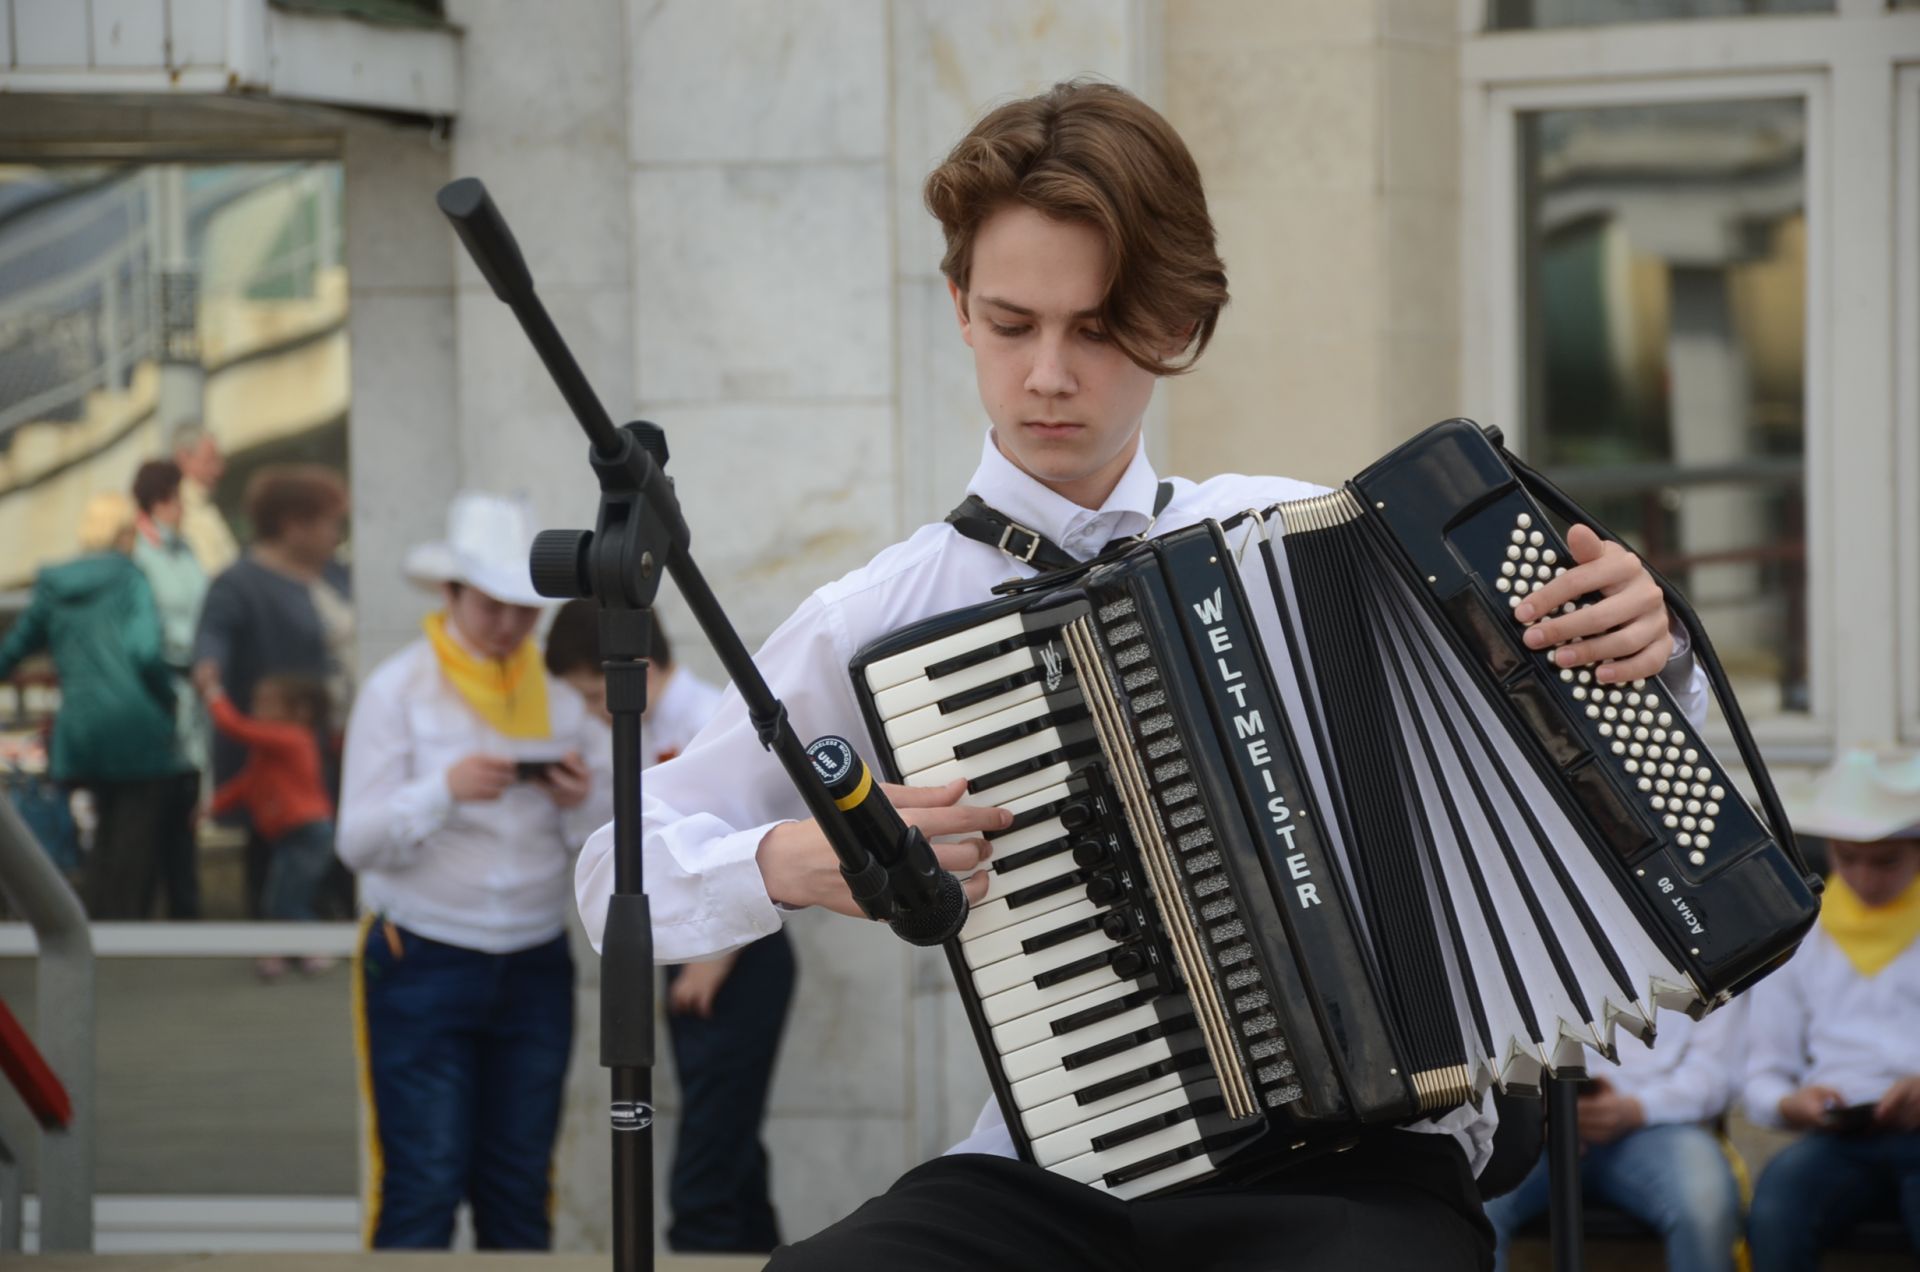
[1861,797]
[488,537]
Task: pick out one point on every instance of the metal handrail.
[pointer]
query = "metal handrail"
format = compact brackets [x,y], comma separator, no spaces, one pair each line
[64,1010]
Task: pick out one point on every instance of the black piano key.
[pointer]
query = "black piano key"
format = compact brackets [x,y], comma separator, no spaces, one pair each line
[989,691]
[1049,887]
[1014,732]
[1145,1073]
[1060,935]
[1035,815]
[1158,1122]
[1114,1046]
[1103,1011]
[1114,957]
[1084,746]
[1155,1164]
[985,653]
[1027,856]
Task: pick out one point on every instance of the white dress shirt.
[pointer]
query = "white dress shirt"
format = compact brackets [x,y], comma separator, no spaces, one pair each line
[681,711]
[1693,1071]
[1819,1022]
[489,875]
[706,811]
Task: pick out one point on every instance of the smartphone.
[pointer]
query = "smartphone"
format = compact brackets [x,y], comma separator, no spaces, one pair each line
[1851,1120]
[531,770]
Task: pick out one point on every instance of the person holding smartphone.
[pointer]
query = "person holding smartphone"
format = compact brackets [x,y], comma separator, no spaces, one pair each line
[471,778]
[1835,1047]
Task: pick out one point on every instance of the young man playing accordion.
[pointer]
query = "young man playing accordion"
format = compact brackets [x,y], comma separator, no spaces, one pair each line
[1082,265]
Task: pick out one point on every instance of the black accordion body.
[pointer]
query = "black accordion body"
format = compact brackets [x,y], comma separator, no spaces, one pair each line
[1307,840]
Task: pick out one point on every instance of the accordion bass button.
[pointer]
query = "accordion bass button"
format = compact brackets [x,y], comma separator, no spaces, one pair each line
[1697,857]
[1089,853]
[1524,521]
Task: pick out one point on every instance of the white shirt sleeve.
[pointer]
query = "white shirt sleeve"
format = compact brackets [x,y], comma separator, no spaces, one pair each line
[386,808]
[1686,679]
[704,812]
[1777,1020]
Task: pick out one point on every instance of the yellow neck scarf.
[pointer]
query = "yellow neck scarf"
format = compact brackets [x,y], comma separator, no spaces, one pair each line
[1870,936]
[510,695]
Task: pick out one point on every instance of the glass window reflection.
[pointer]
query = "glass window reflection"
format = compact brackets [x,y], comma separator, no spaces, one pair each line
[1665,268]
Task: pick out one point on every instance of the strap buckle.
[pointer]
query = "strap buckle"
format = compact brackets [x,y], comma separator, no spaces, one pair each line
[1033,542]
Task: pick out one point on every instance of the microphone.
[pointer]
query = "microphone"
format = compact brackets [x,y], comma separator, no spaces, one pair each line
[901,881]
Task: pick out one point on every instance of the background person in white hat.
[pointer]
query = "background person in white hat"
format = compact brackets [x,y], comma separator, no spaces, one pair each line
[1835,1034]
[471,779]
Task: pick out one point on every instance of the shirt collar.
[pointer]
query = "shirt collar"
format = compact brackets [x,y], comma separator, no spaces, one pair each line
[1080,532]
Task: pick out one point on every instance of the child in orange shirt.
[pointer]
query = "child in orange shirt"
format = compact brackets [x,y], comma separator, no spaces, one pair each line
[282,786]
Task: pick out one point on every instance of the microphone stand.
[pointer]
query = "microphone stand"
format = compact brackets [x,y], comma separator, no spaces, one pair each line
[639,535]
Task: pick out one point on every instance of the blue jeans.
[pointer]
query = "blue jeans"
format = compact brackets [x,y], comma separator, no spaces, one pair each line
[466,1056]
[1671,1177]
[1821,1185]
[297,865]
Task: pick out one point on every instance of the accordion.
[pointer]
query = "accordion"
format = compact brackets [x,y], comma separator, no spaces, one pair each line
[1306,840]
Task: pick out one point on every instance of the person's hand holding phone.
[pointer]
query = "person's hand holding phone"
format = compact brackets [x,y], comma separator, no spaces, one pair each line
[480,778]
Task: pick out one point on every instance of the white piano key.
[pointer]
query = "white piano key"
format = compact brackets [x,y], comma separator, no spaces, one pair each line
[1024,999]
[1006,974]
[1045,1119]
[924,722]
[1027,1030]
[916,695]
[1078,1139]
[1043,1088]
[887,672]
[939,748]
[989,948]
[1016,841]
[1089,1167]
[1051,1050]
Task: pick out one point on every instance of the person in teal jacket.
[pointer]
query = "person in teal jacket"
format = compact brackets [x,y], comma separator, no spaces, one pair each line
[114,731]
[179,591]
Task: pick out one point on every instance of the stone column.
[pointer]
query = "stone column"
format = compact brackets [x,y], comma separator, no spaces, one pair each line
[1327,134]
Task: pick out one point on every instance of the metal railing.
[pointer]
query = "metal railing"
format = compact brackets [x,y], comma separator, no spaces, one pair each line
[63,1030]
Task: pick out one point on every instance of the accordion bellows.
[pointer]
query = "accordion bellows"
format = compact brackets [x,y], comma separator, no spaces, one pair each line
[1306,840]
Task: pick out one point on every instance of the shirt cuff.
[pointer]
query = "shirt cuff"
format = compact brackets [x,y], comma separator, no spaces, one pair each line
[734,909]
[1762,1101]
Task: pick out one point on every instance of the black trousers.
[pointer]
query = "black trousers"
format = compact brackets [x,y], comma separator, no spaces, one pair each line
[1398,1200]
[129,840]
[718,1191]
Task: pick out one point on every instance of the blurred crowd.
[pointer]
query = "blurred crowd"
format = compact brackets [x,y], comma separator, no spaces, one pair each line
[167,640]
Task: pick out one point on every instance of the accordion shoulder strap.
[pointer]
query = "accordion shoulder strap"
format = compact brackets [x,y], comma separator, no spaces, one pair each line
[1556,501]
[982,522]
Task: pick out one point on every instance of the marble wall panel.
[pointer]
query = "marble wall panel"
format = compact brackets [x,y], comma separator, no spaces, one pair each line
[779,499]
[1289,403]
[1299,262]
[752,82]
[1420,118]
[850,1030]
[941,419]
[1267,24]
[1297,118]
[823,1168]
[762,283]
[952,63]
[400,241]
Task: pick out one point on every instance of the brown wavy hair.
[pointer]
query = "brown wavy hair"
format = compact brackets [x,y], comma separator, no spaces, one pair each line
[283,493]
[1095,154]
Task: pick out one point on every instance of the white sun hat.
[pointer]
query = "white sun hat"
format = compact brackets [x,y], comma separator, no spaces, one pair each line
[488,537]
[1861,797]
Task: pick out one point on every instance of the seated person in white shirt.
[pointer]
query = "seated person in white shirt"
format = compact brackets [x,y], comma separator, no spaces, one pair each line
[1835,1034]
[470,780]
[1081,263]
[725,1014]
[1644,1148]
